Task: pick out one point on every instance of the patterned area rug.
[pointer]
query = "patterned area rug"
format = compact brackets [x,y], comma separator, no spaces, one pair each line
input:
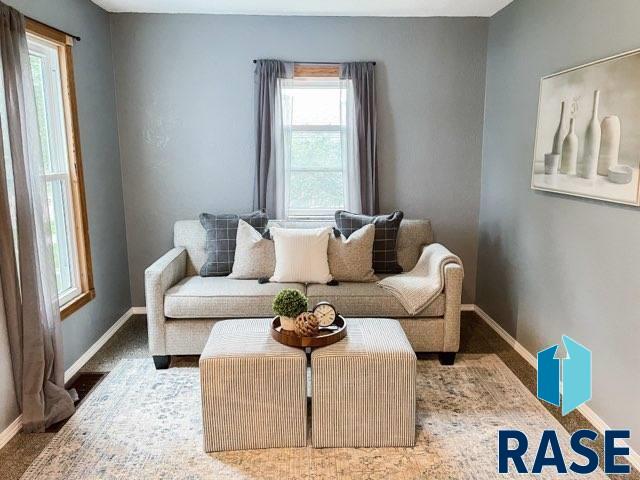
[143,423]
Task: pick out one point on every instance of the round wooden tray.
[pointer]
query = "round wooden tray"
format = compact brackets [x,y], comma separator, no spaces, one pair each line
[327,335]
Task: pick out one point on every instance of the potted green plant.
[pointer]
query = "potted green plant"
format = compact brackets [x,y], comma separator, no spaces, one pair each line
[288,304]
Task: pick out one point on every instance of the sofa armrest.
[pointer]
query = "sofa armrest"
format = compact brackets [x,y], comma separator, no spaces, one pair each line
[158,278]
[453,276]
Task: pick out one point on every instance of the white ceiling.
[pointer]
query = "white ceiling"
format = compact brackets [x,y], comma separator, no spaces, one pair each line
[355,8]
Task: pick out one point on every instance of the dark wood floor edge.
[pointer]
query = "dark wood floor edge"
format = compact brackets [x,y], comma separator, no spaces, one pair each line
[84,385]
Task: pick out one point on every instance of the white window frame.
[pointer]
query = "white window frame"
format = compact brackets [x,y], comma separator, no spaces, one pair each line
[314,213]
[59,156]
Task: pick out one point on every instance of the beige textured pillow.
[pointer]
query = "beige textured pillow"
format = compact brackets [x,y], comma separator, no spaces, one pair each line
[255,256]
[301,254]
[351,259]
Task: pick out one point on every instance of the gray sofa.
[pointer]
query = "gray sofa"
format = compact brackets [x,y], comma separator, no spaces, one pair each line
[182,307]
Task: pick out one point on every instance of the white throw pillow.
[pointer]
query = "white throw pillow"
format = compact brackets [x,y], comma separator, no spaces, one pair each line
[301,254]
[255,256]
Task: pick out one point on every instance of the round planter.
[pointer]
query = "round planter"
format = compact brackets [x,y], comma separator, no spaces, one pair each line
[288,323]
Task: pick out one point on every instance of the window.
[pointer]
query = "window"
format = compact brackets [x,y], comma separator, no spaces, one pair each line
[52,72]
[315,174]
[317,143]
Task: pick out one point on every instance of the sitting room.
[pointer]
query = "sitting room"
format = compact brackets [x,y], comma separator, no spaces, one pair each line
[322,239]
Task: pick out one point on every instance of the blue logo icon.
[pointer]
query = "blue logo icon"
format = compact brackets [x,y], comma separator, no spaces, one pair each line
[563,379]
[574,371]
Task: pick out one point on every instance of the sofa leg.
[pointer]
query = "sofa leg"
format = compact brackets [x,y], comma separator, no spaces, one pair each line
[447,358]
[161,361]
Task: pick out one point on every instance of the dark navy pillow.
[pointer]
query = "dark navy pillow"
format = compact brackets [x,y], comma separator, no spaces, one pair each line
[220,244]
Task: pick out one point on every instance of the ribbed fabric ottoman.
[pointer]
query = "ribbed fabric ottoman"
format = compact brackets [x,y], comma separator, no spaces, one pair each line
[364,388]
[254,392]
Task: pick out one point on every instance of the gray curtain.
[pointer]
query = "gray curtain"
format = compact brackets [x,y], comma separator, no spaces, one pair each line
[266,76]
[362,75]
[28,281]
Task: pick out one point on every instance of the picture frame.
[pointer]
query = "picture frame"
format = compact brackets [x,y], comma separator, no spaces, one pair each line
[601,160]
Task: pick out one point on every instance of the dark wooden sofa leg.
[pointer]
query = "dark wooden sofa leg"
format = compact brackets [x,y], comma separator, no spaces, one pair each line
[161,361]
[447,358]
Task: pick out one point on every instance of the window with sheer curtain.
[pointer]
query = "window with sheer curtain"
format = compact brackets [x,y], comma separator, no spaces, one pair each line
[318,147]
[316,141]
[52,74]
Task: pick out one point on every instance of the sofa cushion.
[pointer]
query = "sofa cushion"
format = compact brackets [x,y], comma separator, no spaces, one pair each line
[351,259]
[222,297]
[360,299]
[221,239]
[255,256]
[412,236]
[191,235]
[301,254]
[385,253]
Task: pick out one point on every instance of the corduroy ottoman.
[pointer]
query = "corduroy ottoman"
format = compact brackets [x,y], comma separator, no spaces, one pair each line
[254,392]
[364,388]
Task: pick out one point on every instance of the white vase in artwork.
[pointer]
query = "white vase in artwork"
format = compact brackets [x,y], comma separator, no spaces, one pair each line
[591,150]
[570,150]
[551,161]
[609,144]
[561,132]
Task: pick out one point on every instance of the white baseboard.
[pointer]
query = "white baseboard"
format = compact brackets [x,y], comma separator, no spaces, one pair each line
[524,353]
[93,349]
[587,412]
[11,431]
[139,310]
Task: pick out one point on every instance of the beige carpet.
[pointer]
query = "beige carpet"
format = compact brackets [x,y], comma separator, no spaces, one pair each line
[142,423]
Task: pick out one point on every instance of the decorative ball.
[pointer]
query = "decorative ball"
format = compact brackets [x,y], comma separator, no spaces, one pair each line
[307,325]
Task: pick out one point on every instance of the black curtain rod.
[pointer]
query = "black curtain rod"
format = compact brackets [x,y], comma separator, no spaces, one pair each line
[75,37]
[316,63]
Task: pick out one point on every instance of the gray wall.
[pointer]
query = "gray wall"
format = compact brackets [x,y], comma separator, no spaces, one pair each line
[551,264]
[103,179]
[185,115]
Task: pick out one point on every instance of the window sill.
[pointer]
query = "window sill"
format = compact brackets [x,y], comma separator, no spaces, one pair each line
[309,218]
[75,304]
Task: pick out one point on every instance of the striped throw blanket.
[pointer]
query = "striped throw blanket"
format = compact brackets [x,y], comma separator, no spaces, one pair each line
[416,289]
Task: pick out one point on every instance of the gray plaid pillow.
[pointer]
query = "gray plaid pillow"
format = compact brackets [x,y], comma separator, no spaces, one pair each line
[385,254]
[220,243]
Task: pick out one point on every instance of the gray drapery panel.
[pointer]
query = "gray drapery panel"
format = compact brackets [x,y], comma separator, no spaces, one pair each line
[362,74]
[29,288]
[266,76]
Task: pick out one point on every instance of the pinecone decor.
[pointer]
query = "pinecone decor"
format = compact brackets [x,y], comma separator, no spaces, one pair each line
[307,325]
